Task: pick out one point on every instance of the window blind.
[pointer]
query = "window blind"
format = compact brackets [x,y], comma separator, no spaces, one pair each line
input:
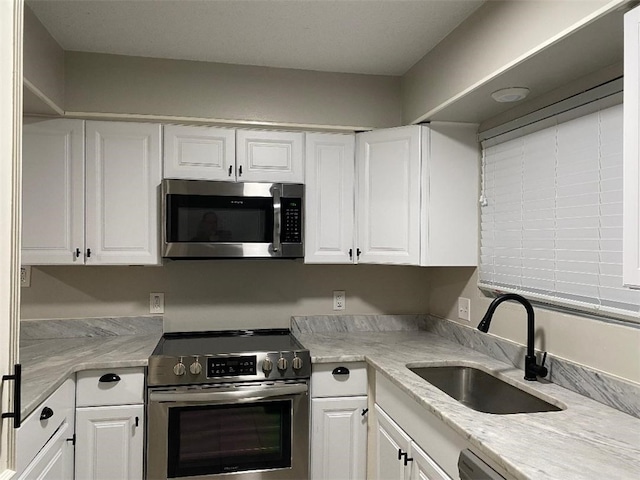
[551,220]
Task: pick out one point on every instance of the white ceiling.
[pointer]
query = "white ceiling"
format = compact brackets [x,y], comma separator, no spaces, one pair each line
[384,37]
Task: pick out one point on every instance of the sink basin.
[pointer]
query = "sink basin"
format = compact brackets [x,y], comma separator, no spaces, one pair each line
[482,391]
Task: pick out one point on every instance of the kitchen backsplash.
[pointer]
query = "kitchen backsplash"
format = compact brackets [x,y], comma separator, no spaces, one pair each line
[89,327]
[606,389]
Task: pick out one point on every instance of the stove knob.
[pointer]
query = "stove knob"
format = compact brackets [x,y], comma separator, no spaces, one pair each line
[296,363]
[267,366]
[179,369]
[195,368]
[282,364]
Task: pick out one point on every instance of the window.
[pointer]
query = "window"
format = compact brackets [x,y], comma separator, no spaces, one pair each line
[551,223]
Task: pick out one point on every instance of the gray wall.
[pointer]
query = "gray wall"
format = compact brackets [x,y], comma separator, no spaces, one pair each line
[43,59]
[224,293]
[150,86]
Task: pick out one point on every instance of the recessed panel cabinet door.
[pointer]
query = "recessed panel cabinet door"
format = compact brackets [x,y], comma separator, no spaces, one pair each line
[338,438]
[109,442]
[199,153]
[264,156]
[122,193]
[55,460]
[423,467]
[388,166]
[53,192]
[329,198]
[391,443]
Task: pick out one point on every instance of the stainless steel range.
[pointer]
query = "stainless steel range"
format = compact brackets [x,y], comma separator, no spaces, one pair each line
[228,403]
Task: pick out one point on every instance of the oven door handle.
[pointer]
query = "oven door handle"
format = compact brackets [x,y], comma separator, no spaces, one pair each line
[241,395]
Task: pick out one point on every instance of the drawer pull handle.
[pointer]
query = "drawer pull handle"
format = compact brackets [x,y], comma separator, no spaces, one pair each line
[137,421]
[109,378]
[340,371]
[46,413]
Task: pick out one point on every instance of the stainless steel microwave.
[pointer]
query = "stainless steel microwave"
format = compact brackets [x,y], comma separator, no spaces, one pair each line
[210,219]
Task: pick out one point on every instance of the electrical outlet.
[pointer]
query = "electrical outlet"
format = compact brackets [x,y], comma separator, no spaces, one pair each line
[339,299]
[156,303]
[464,309]
[25,276]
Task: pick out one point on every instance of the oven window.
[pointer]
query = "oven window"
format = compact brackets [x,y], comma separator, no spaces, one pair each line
[229,438]
[211,219]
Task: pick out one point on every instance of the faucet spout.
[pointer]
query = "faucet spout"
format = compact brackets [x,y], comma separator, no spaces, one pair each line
[532,370]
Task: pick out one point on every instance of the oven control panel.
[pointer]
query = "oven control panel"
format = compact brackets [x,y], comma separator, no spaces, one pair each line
[231,366]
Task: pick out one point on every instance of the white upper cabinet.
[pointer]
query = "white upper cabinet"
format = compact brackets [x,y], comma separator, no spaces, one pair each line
[122,180]
[265,156]
[211,153]
[53,192]
[329,198]
[388,173]
[199,153]
[631,229]
[414,194]
[93,207]
[450,193]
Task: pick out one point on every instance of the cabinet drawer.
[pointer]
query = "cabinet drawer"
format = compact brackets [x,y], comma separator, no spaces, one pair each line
[34,433]
[118,386]
[339,379]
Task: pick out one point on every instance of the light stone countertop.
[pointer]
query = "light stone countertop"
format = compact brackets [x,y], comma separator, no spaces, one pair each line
[47,363]
[587,440]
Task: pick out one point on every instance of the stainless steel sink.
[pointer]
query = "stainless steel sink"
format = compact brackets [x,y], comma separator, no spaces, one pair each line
[482,391]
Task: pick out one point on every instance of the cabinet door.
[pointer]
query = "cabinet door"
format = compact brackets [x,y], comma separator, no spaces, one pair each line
[55,460]
[122,191]
[199,153]
[388,166]
[338,438]
[422,466]
[450,180]
[631,174]
[329,198]
[269,156]
[52,192]
[109,442]
[391,443]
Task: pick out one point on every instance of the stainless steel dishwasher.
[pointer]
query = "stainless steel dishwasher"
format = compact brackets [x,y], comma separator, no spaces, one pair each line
[471,467]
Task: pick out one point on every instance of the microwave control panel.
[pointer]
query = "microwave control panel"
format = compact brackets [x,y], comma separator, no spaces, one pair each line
[291,220]
[231,366]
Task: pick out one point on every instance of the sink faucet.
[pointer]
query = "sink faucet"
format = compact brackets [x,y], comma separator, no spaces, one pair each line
[531,368]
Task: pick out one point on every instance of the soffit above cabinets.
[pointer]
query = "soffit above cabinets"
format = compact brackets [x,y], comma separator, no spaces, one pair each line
[379,37]
[582,60]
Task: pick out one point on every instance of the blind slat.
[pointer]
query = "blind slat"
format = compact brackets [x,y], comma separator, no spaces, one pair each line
[552,225]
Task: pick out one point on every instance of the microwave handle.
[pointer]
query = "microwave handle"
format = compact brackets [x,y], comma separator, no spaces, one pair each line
[277,212]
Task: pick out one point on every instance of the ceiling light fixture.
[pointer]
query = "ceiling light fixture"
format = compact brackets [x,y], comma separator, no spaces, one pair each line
[511,94]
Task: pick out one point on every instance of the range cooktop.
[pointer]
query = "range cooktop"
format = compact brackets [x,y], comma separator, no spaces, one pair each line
[227,356]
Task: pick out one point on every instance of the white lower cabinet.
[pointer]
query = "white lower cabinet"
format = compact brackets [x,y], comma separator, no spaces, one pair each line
[338,438]
[339,421]
[44,441]
[109,442]
[55,460]
[400,458]
[110,424]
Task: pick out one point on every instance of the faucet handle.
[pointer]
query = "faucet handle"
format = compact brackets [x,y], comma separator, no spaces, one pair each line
[544,358]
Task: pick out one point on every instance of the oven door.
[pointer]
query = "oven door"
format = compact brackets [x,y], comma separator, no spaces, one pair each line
[252,431]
